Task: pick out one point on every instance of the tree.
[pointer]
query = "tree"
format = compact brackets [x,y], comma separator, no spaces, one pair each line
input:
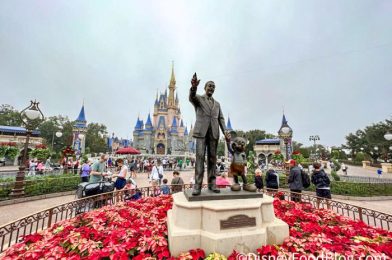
[305,151]
[369,138]
[9,116]
[252,136]
[94,138]
[50,126]
[221,148]
[296,145]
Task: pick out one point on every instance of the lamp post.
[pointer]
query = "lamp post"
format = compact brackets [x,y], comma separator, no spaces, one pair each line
[314,138]
[31,118]
[58,135]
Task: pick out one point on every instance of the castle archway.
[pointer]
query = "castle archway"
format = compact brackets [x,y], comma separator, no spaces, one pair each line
[160,149]
[261,159]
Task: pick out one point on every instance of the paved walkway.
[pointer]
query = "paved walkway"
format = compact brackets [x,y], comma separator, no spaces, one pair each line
[359,171]
[14,212]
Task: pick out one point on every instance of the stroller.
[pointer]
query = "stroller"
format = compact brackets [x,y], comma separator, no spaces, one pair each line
[86,189]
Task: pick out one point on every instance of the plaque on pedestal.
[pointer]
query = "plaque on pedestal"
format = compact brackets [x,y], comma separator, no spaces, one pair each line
[221,225]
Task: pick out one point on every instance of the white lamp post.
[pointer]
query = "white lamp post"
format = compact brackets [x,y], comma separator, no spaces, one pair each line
[31,118]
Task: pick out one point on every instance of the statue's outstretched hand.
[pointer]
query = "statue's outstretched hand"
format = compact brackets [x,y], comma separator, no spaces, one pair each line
[195,82]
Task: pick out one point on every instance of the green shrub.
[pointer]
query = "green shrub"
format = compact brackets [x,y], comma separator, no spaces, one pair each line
[37,185]
[361,189]
[335,176]
[337,165]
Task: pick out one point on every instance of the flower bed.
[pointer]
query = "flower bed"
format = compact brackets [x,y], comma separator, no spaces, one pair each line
[137,230]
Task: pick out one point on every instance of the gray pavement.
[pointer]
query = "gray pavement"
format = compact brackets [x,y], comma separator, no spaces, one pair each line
[14,212]
[361,172]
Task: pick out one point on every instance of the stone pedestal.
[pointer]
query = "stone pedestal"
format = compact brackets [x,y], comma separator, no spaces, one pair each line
[223,225]
[365,164]
[386,167]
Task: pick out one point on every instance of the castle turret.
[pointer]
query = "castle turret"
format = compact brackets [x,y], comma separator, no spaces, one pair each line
[79,133]
[228,127]
[285,135]
[148,135]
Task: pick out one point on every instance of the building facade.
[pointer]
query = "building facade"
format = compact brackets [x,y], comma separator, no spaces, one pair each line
[16,136]
[164,132]
[266,148]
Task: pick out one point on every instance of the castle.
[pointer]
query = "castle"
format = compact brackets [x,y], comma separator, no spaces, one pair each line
[165,132]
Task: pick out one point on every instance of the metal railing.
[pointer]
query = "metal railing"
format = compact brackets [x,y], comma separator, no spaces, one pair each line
[12,232]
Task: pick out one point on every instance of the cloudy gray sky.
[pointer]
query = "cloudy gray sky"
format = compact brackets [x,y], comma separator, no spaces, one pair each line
[327,62]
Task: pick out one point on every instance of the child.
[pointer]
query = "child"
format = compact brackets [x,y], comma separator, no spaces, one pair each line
[259,180]
[129,189]
[165,189]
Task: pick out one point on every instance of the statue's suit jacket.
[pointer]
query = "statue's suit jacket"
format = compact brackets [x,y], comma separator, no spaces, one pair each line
[207,115]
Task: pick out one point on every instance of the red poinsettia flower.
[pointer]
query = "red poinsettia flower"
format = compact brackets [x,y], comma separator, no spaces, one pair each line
[197,254]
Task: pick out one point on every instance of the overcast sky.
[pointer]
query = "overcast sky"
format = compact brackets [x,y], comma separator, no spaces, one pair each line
[328,63]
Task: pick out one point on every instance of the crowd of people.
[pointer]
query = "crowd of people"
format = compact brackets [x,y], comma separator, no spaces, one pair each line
[124,172]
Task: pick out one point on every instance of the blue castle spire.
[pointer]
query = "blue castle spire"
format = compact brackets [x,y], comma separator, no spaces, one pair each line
[284,121]
[228,127]
[148,124]
[186,131]
[81,120]
[137,126]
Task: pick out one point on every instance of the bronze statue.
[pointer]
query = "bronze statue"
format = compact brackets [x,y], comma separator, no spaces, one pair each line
[209,118]
[238,164]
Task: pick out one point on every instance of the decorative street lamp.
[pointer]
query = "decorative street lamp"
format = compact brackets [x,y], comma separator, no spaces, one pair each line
[31,118]
[314,138]
[58,135]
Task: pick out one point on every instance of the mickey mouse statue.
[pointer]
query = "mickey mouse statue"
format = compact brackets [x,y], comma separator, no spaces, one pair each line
[237,148]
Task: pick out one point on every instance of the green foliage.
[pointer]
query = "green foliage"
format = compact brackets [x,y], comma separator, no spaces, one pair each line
[361,189]
[305,151]
[359,157]
[366,139]
[94,141]
[251,165]
[278,157]
[41,185]
[9,116]
[48,130]
[335,176]
[252,136]
[40,154]
[3,150]
[299,158]
[11,152]
[221,148]
[337,165]
[337,153]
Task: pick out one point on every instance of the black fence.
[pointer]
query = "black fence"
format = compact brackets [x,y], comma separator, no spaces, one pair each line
[12,232]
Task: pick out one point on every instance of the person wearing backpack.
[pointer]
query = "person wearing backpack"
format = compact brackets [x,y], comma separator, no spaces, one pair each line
[321,181]
[295,181]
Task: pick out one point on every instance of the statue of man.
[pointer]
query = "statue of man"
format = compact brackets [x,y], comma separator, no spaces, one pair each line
[209,118]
